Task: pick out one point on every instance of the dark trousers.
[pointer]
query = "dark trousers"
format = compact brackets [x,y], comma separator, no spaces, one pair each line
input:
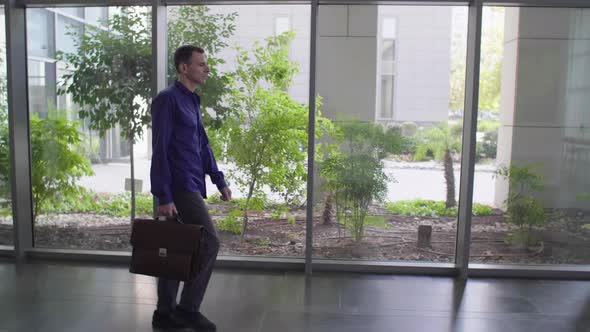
[192,210]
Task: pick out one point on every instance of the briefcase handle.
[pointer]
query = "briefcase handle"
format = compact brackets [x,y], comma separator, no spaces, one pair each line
[176,218]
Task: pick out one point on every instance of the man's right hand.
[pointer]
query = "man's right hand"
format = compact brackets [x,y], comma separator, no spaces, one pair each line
[168,210]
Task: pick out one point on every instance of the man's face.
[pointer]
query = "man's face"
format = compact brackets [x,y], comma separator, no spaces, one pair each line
[198,70]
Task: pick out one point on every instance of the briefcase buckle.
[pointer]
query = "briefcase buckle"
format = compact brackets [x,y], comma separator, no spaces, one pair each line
[162,252]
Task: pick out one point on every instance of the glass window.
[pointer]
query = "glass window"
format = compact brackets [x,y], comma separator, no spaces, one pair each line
[40,32]
[533,141]
[41,86]
[97,15]
[79,175]
[390,194]
[6,225]
[388,50]
[74,11]
[282,24]
[387,93]
[68,31]
[388,30]
[387,64]
[275,207]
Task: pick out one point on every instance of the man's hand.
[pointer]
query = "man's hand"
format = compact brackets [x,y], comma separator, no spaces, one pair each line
[225,194]
[168,210]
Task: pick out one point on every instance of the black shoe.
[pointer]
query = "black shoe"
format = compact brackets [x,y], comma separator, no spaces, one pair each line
[167,321]
[195,320]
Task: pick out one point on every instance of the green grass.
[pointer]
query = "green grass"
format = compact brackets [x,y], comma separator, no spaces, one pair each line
[430,208]
[115,205]
[377,221]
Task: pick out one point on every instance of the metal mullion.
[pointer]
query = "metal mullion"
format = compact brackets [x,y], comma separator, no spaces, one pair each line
[82,3]
[397,2]
[159,56]
[18,118]
[539,3]
[236,2]
[469,131]
[311,137]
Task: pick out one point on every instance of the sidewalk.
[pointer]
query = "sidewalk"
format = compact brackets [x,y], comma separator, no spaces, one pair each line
[412,180]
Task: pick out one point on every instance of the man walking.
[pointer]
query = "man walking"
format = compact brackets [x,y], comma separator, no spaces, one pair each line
[181,158]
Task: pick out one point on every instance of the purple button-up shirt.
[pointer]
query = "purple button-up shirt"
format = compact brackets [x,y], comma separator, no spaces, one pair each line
[181,152]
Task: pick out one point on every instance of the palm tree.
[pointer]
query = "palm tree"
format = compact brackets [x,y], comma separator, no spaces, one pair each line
[441,141]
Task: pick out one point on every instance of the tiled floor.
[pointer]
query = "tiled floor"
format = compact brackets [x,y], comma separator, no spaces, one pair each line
[66,297]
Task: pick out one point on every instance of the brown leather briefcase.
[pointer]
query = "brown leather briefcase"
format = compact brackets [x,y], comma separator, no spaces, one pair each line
[165,248]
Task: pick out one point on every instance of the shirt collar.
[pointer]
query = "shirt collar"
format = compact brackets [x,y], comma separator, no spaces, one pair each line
[183,88]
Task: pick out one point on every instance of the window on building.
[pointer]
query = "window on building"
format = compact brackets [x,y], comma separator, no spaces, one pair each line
[388,34]
[73,11]
[40,33]
[282,24]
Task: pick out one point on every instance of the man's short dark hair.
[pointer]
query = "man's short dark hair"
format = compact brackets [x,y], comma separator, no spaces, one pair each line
[184,53]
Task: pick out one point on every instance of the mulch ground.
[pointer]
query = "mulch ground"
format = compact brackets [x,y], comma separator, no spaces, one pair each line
[564,241]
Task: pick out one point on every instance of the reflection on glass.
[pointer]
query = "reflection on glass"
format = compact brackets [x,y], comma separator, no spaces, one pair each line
[533,140]
[388,185]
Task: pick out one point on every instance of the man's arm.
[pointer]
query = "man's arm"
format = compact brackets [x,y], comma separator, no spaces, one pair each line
[160,175]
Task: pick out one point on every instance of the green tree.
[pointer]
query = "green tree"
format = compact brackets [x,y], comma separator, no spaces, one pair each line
[56,166]
[492,48]
[441,141]
[267,133]
[109,75]
[355,176]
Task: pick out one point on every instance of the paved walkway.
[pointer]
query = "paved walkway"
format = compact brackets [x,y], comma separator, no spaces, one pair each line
[410,182]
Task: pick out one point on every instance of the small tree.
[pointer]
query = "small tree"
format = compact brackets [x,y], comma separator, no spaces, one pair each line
[110,72]
[442,141]
[56,166]
[267,133]
[522,208]
[355,176]
[109,77]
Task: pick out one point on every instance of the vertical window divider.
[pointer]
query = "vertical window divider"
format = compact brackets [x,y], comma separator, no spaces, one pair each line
[469,134]
[19,138]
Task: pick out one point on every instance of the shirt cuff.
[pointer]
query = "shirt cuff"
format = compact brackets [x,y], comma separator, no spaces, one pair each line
[221,184]
[165,198]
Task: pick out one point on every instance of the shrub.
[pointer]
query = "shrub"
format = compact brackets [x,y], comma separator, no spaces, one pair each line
[421,208]
[232,222]
[88,201]
[481,210]
[488,146]
[378,221]
[280,210]
[409,129]
[522,208]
